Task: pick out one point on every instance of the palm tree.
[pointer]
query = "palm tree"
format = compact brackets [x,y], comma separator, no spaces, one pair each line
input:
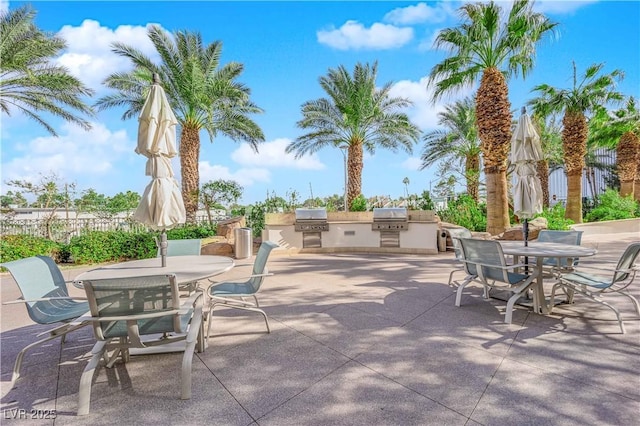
[549,130]
[357,115]
[29,80]
[621,130]
[203,95]
[586,96]
[457,143]
[488,48]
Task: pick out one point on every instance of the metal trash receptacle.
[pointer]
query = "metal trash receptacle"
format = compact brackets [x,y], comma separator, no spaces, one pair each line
[243,243]
[442,241]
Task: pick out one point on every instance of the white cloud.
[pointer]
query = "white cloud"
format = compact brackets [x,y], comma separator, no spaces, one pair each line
[272,154]
[412,163]
[353,35]
[75,156]
[427,42]
[419,13]
[4,6]
[255,168]
[423,113]
[88,55]
[244,176]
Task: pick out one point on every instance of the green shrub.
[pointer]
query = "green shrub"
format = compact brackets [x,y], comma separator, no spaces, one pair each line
[465,211]
[13,247]
[97,247]
[359,204]
[191,231]
[611,206]
[255,217]
[555,218]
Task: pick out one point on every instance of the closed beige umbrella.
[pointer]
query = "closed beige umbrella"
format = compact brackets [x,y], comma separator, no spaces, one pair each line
[161,206]
[526,151]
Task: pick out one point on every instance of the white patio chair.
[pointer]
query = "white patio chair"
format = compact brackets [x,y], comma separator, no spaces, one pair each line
[455,234]
[551,267]
[186,247]
[234,294]
[596,286]
[46,297]
[485,259]
[123,310]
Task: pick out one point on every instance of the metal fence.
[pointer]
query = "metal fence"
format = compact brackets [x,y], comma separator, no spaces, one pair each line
[62,229]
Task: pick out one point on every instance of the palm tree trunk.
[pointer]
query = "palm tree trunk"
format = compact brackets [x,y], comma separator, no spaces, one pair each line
[493,116]
[627,154]
[472,175]
[354,171]
[574,198]
[574,147]
[189,160]
[543,175]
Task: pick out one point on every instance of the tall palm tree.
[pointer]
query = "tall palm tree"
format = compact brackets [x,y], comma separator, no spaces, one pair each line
[458,143]
[30,82]
[355,114]
[585,97]
[203,95]
[620,129]
[488,48]
[549,129]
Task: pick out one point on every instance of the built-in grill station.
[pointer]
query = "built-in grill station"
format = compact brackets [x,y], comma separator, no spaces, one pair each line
[311,222]
[390,221]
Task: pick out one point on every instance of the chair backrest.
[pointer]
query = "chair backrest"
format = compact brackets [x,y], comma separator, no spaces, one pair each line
[260,264]
[564,237]
[626,262]
[131,297]
[455,234]
[39,277]
[572,237]
[486,252]
[189,247]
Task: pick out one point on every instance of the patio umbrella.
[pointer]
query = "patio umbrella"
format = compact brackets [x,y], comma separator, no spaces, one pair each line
[161,206]
[525,152]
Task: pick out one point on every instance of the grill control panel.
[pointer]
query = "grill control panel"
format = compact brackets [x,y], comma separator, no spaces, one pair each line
[389,226]
[311,227]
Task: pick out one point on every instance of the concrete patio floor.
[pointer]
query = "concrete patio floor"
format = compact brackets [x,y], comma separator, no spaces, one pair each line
[357,339]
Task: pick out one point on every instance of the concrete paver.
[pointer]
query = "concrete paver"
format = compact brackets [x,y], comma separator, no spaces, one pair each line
[356,339]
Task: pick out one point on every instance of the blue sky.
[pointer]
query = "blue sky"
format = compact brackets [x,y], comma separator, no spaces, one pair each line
[286,47]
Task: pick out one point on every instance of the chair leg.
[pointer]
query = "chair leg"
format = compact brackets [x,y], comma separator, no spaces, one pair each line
[459,291]
[633,300]
[84,392]
[614,309]
[53,334]
[235,304]
[193,338]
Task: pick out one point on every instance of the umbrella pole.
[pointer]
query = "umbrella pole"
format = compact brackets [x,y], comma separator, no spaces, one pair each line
[163,247]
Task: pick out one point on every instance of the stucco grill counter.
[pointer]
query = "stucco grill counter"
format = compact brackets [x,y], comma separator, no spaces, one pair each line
[383,230]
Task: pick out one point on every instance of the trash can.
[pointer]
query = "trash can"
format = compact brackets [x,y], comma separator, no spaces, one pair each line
[244,243]
[442,241]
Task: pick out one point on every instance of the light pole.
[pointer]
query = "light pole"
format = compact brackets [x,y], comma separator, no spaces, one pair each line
[344,148]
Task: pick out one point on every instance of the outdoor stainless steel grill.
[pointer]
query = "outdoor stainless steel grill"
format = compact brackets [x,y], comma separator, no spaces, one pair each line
[390,221]
[311,222]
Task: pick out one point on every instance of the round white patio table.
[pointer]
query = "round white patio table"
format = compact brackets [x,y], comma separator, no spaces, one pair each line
[186,268]
[540,250]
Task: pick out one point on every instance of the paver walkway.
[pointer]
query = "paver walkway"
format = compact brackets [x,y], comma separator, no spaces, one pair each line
[356,340]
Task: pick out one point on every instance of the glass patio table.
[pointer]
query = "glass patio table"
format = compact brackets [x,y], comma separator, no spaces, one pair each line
[540,250]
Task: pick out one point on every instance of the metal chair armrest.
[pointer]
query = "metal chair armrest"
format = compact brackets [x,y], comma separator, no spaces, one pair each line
[43,299]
